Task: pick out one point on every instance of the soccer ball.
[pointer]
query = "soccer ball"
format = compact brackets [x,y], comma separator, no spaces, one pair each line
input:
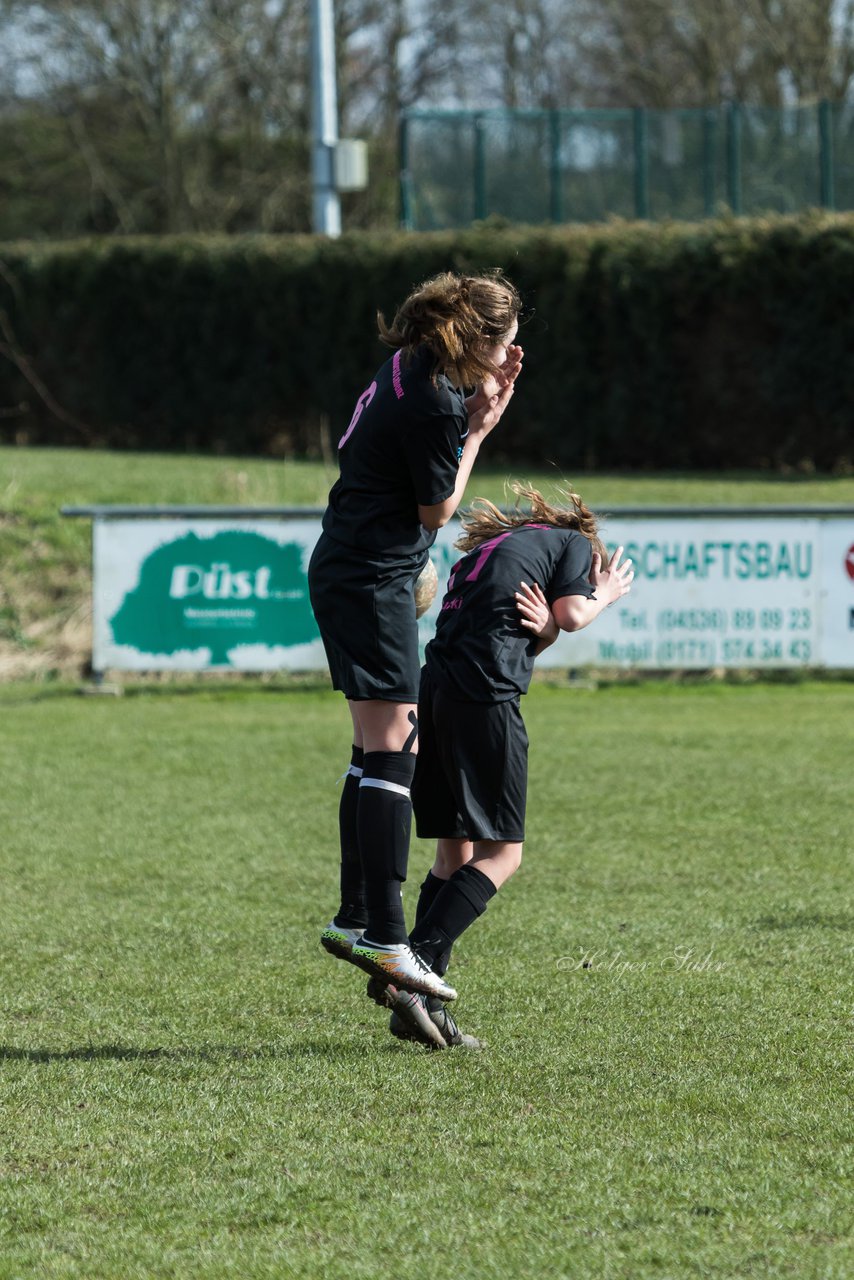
[426,586]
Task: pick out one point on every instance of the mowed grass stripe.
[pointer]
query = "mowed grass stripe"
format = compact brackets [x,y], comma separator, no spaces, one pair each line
[192,1088]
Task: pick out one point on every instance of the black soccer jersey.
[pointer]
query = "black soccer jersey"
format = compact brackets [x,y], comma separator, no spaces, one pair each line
[402,448]
[481,652]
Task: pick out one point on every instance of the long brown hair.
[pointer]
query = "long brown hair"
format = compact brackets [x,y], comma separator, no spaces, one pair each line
[458,318]
[483,520]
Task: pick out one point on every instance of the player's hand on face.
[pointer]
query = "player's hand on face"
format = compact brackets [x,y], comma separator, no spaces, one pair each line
[534,609]
[482,421]
[512,366]
[504,375]
[489,388]
[615,581]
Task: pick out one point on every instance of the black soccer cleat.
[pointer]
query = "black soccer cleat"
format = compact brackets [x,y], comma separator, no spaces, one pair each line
[382,993]
[409,1017]
[450,1032]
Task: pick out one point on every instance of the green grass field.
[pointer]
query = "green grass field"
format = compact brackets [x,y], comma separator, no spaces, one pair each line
[192,1088]
[45,581]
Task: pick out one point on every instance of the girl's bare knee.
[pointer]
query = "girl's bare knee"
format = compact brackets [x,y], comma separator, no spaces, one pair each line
[450,856]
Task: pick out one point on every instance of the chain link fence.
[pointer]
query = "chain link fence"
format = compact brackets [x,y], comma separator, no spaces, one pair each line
[457,167]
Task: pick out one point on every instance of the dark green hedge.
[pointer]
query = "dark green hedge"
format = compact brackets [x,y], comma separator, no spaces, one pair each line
[718,345]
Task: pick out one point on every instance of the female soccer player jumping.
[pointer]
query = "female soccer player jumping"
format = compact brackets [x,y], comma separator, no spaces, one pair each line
[405,459]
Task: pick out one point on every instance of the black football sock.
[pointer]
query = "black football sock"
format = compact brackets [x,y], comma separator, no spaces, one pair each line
[457,905]
[384,823]
[353,912]
[430,889]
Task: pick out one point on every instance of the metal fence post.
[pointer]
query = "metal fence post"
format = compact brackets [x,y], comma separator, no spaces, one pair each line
[710,136]
[827,193]
[555,172]
[479,168]
[733,156]
[641,146]
[326,203]
[405,183]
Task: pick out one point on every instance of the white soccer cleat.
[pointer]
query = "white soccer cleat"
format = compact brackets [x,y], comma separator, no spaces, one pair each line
[398,963]
[339,941]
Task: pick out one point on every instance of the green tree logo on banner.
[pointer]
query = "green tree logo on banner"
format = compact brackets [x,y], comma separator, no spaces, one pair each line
[235,588]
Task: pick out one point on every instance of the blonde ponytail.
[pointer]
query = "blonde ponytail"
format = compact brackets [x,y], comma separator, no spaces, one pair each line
[483,520]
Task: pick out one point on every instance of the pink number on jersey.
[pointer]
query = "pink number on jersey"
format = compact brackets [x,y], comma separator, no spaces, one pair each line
[361,404]
[486,550]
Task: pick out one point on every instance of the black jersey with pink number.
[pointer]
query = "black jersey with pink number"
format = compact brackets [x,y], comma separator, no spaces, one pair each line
[402,448]
[481,652]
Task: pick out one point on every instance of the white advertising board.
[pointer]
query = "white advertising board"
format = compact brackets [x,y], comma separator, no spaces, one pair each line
[202,594]
[219,594]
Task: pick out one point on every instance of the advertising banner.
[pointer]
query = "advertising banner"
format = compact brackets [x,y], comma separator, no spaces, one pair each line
[708,592]
[204,595]
[198,594]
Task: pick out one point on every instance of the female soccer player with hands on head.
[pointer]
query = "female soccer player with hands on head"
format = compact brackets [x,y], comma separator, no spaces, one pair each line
[405,459]
[525,576]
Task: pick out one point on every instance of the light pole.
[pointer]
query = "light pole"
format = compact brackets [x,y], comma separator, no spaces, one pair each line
[324,120]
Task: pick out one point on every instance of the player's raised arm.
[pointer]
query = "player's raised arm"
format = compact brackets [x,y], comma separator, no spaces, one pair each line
[485,409]
[480,425]
[571,613]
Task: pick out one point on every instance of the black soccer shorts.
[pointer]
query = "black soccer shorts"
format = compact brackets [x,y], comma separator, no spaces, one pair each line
[471,773]
[365,609]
